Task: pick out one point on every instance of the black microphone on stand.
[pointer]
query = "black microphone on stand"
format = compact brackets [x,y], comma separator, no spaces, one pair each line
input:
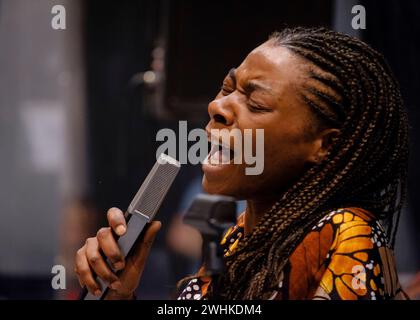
[142,210]
[212,215]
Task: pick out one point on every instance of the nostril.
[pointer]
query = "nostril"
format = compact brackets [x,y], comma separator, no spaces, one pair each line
[219,118]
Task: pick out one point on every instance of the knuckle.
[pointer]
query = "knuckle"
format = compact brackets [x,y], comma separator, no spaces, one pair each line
[83,273]
[110,278]
[118,257]
[89,241]
[102,233]
[79,253]
[94,259]
[111,255]
[113,213]
[110,212]
[115,257]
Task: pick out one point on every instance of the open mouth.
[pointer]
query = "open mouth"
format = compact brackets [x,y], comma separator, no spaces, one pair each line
[219,153]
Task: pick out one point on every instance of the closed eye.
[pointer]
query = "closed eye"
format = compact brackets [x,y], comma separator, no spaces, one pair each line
[226,90]
[254,107]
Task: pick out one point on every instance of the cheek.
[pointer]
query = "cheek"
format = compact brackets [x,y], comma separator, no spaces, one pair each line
[285,147]
[285,152]
[284,161]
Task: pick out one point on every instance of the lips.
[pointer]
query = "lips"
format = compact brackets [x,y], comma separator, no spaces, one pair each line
[220,153]
[223,161]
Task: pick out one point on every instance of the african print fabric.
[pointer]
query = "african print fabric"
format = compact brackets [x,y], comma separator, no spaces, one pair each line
[345,256]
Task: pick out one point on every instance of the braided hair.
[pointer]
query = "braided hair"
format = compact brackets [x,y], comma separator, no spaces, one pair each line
[349,86]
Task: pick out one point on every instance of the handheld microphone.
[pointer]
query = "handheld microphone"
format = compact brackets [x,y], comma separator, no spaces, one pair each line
[142,209]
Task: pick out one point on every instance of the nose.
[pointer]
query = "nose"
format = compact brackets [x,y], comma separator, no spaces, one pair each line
[221,111]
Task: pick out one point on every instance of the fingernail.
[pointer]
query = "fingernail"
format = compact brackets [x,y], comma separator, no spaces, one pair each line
[97,292]
[115,285]
[120,230]
[118,265]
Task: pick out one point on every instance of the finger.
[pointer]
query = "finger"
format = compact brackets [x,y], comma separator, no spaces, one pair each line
[84,273]
[109,247]
[97,263]
[116,221]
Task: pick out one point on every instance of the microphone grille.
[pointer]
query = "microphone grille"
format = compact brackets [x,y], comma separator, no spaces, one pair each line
[155,187]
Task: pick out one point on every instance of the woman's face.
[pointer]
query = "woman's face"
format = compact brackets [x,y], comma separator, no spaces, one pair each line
[263,93]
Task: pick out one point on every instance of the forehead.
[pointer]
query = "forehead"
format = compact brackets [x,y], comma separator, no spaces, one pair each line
[274,66]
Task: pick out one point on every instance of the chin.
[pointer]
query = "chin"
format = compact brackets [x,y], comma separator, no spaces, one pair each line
[223,189]
[216,188]
[211,188]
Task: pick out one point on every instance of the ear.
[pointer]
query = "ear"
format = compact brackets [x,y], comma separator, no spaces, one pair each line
[322,144]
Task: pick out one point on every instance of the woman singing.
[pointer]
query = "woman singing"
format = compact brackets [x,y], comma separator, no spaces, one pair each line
[321,219]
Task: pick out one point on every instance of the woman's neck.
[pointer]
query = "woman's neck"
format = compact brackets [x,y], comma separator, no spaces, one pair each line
[255,209]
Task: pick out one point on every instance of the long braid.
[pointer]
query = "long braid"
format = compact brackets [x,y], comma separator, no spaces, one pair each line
[350,87]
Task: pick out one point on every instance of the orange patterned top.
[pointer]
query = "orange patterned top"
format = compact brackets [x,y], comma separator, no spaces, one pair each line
[345,256]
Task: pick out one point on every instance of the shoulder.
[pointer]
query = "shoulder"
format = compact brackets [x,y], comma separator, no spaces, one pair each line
[351,229]
[352,226]
[346,216]
[352,234]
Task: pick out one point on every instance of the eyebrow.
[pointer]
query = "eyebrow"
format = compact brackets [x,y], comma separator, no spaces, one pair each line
[250,85]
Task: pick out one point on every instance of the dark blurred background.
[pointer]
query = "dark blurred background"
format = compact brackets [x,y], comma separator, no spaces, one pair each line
[80,108]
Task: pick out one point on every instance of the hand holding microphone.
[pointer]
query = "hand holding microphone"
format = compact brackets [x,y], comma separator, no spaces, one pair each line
[110,264]
[90,261]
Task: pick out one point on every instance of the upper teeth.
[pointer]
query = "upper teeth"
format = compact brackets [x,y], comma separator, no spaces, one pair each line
[219,153]
[219,143]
